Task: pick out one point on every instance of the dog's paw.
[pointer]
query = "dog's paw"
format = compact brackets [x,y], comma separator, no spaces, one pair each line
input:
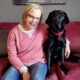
[64,69]
[48,73]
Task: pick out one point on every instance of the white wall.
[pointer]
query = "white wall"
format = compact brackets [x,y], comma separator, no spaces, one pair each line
[12,13]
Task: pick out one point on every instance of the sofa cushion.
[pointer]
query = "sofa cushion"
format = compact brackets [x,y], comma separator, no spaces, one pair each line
[57,74]
[73,34]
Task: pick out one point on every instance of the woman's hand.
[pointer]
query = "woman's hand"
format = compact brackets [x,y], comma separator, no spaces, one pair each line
[67,51]
[26,75]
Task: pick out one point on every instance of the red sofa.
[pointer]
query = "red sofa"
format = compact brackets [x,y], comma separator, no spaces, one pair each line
[73,32]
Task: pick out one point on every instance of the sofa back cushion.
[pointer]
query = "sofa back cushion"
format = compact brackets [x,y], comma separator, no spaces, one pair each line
[3,41]
[73,34]
[5,27]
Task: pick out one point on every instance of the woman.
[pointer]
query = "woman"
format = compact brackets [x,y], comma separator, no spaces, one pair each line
[25,47]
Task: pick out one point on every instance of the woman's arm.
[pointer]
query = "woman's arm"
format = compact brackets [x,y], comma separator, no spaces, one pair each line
[67,48]
[12,52]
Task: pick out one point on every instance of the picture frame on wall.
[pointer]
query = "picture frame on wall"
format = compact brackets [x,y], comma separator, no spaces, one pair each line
[24,2]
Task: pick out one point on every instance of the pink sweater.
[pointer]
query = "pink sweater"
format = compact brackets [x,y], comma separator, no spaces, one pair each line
[23,49]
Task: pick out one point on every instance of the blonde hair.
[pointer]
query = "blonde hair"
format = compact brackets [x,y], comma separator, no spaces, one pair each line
[28,9]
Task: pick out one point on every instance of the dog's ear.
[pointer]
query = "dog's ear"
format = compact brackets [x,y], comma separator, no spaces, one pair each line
[48,20]
[66,19]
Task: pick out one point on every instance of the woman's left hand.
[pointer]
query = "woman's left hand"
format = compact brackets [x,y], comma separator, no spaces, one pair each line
[67,51]
[26,75]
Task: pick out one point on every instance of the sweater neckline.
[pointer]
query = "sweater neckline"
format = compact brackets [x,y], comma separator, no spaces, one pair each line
[29,33]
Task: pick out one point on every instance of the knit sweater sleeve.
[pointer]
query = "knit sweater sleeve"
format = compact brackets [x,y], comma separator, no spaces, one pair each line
[12,50]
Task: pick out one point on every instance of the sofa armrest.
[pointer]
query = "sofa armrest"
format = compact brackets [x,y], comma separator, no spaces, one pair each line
[4,64]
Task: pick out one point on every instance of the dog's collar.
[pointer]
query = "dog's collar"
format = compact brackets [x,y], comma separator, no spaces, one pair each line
[59,33]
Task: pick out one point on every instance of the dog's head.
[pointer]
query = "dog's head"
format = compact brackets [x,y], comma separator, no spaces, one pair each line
[57,20]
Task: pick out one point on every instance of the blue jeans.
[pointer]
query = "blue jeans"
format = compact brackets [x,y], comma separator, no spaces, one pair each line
[38,72]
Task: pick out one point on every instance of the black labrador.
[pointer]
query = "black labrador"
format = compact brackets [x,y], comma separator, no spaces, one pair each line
[54,46]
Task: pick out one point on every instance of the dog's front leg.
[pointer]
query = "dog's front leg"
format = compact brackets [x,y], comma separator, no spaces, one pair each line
[62,56]
[62,61]
[49,62]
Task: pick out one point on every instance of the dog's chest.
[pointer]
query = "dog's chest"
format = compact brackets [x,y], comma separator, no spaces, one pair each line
[58,42]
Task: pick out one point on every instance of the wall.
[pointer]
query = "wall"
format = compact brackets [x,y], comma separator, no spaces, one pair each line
[12,13]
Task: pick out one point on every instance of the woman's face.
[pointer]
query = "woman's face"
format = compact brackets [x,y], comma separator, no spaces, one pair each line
[33,19]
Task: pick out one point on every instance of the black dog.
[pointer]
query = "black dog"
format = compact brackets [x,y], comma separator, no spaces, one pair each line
[54,46]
